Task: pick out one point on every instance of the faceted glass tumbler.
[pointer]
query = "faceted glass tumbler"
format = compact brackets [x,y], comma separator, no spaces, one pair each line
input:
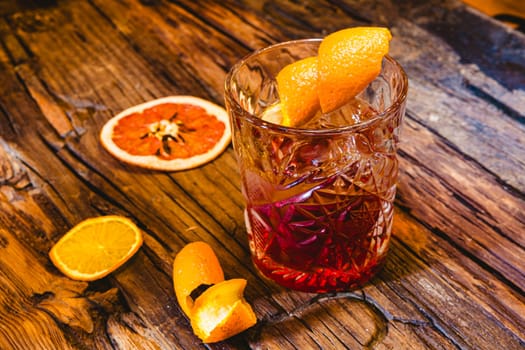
[319,200]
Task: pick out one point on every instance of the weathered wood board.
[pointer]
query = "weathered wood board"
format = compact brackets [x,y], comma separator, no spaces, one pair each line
[455,277]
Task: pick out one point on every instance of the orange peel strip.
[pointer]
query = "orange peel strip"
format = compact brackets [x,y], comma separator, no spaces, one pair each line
[297,84]
[347,61]
[221,311]
[194,265]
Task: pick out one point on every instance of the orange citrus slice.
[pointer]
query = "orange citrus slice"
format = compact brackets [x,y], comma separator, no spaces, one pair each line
[96,247]
[347,61]
[196,264]
[221,311]
[171,133]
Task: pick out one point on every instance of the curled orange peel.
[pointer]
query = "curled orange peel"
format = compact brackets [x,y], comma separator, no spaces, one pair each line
[221,310]
[196,264]
[298,85]
[347,61]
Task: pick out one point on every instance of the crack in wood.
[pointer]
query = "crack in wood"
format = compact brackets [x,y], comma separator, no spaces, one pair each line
[491,100]
[12,170]
[362,297]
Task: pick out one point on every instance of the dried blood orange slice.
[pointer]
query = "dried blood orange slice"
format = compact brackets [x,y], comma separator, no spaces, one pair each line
[171,133]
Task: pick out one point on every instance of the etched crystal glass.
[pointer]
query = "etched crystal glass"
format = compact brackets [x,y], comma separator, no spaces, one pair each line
[319,199]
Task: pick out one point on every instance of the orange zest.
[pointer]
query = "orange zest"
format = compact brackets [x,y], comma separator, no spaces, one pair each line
[347,61]
[221,310]
[96,247]
[196,264]
[297,84]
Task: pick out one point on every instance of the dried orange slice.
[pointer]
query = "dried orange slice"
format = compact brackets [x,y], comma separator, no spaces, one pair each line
[221,311]
[347,61]
[171,133]
[195,264]
[96,247]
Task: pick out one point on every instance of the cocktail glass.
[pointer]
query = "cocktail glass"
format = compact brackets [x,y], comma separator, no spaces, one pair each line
[319,197]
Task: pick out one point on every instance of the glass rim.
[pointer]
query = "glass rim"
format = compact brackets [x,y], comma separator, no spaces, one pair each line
[398,101]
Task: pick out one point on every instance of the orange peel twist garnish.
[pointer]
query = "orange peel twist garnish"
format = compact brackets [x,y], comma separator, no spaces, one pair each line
[347,61]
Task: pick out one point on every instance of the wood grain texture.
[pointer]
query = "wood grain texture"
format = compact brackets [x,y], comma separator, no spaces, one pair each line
[454,278]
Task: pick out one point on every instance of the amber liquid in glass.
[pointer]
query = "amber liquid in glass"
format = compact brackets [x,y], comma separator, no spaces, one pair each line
[319,197]
[323,227]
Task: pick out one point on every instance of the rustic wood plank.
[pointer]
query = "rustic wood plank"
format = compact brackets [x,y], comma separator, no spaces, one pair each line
[475,217]
[29,291]
[476,127]
[454,278]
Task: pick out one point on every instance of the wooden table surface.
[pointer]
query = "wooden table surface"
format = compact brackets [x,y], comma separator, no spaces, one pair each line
[455,275]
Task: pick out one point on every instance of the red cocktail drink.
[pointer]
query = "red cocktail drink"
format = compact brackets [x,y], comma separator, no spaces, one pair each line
[319,197]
